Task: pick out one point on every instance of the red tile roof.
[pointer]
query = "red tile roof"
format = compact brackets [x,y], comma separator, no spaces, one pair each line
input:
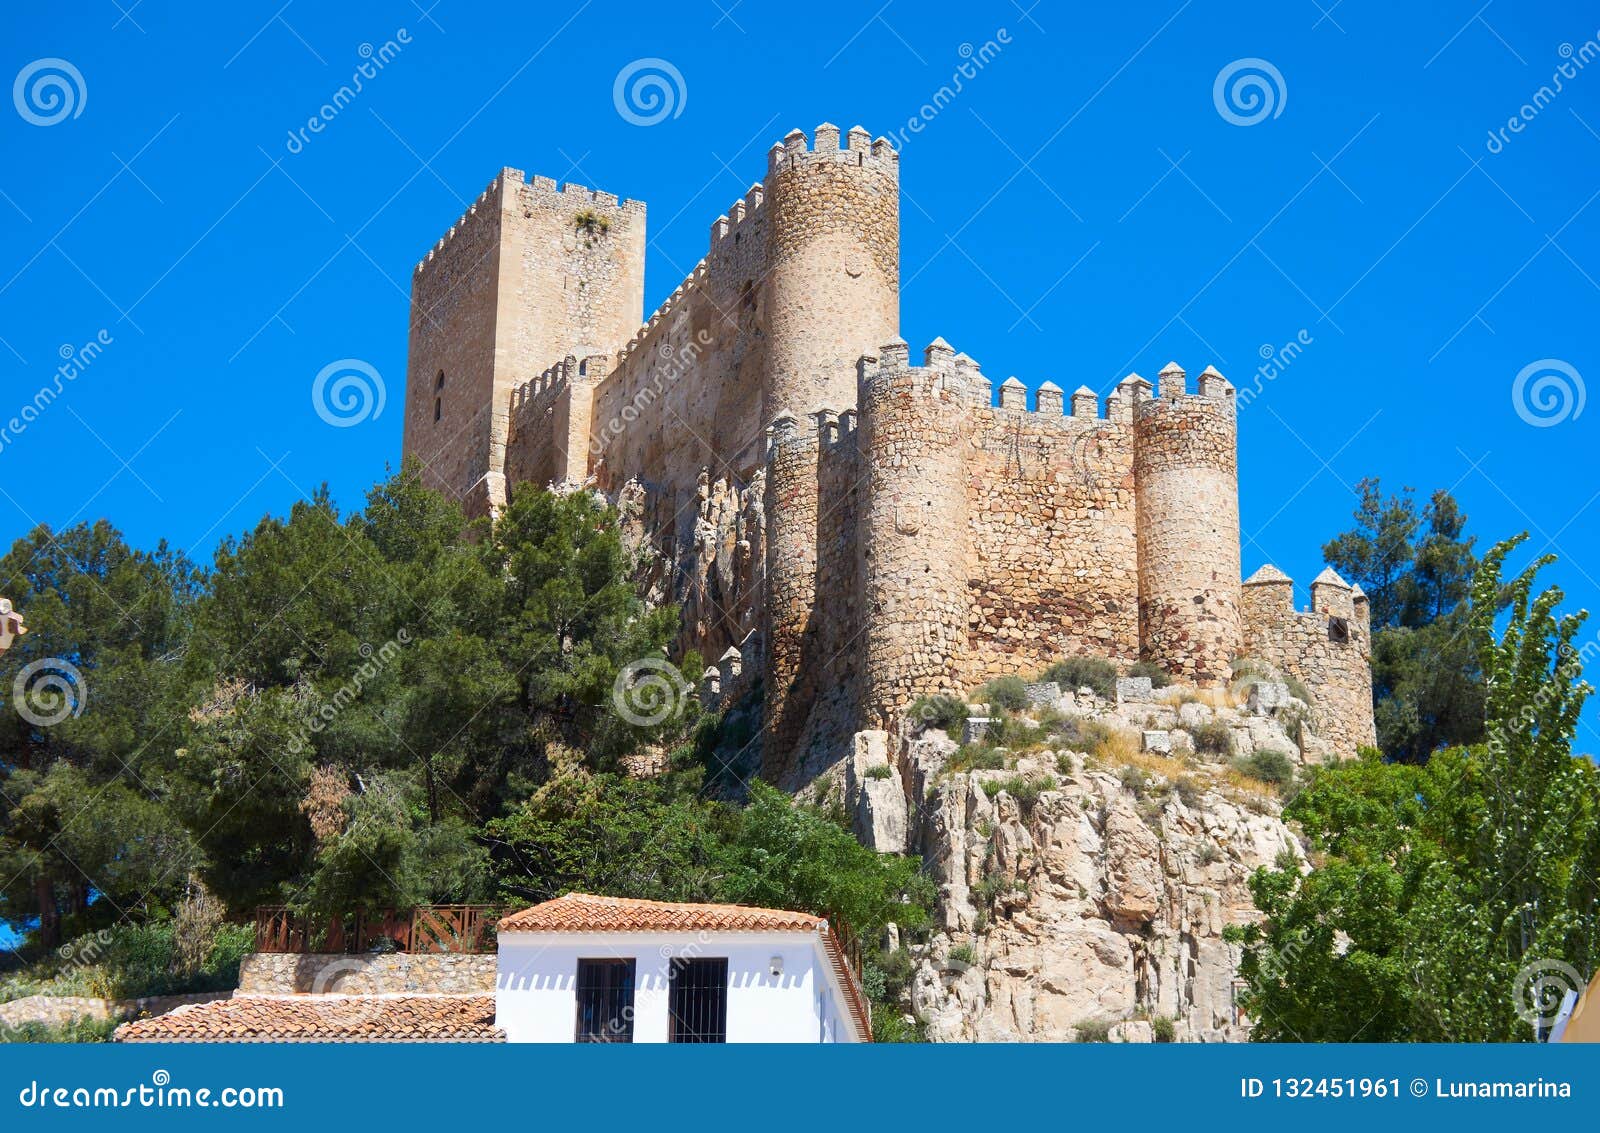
[584,912]
[581,912]
[323,1018]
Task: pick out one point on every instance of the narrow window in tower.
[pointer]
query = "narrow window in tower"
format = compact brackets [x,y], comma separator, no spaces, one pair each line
[1339,631]
[439,384]
[438,408]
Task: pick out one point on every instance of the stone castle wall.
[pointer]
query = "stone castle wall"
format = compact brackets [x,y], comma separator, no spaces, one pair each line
[1328,648]
[1186,470]
[873,530]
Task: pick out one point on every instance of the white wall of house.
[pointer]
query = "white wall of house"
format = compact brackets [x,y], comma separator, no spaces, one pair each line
[535,985]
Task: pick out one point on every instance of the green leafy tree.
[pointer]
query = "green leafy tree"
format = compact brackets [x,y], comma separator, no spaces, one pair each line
[1437,886]
[1416,567]
[431,665]
[98,672]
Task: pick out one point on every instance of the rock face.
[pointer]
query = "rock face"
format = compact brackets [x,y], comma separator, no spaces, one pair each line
[1092,906]
[1082,897]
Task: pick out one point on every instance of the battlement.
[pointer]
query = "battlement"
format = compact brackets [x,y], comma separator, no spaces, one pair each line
[943,368]
[477,207]
[859,148]
[680,296]
[546,190]
[1327,647]
[732,225]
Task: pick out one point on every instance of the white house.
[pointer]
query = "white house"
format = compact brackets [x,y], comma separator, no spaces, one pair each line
[606,969]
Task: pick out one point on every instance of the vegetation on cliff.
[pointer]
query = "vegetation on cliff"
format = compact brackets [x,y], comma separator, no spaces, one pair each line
[376,710]
[1444,895]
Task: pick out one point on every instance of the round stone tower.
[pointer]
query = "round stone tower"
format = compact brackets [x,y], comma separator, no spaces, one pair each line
[915,425]
[832,291]
[1186,473]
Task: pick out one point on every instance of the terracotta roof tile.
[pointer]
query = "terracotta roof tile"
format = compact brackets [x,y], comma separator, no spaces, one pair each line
[323,1018]
[581,912]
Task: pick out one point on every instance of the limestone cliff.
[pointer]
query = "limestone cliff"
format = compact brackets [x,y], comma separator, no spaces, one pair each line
[1085,893]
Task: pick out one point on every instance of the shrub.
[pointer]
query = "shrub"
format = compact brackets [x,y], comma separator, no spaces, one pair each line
[1164,1028]
[964,954]
[1249,671]
[1093,1031]
[1065,764]
[1212,737]
[976,757]
[1158,675]
[1268,766]
[1095,673]
[1005,692]
[1188,790]
[79,1030]
[1078,732]
[1025,791]
[945,712]
[880,771]
[1135,780]
[1209,852]
[1015,732]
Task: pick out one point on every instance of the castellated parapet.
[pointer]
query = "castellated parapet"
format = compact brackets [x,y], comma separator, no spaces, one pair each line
[1327,647]
[861,529]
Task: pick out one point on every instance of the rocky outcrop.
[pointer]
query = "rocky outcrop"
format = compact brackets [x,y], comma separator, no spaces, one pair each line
[1086,894]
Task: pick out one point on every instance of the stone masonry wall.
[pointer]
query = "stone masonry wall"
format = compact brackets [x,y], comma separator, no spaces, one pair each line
[273,973]
[450,360]
[1328,648]
[1051,502]
[1186,470]
[899,532]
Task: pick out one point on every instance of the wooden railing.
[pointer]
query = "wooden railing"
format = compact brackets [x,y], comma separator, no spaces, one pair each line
[425,928]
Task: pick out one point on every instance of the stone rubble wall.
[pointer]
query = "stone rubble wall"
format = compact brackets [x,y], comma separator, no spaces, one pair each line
[902,531]
[59,1010]
[1327,648]
[1186,469]
[447,973]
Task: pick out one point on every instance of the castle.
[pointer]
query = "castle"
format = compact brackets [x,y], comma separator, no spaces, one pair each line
[852,528]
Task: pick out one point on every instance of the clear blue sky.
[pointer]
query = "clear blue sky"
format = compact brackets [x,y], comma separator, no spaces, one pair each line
[1081,209]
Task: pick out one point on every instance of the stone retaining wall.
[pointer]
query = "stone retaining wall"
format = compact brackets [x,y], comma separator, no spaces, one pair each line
[273,973]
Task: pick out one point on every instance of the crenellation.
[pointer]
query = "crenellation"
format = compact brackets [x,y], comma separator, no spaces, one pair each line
[861,530]
[1328,648]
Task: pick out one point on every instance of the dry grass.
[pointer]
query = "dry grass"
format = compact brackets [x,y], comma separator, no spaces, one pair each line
[1250,785]
[1212,697]
[1151,763]
[1119,748]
